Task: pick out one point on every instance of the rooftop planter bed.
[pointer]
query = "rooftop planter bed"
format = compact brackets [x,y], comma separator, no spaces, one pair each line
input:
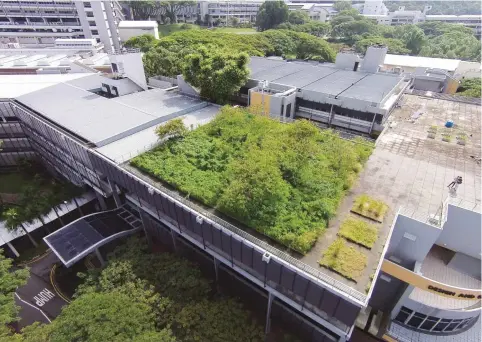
[359,232]
[370,207]
[283,180]
[344,259]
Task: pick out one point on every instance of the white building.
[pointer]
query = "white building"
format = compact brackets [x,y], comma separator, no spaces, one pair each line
[132,28]
[374,7]
[38,23]
[319,12]
[244,10]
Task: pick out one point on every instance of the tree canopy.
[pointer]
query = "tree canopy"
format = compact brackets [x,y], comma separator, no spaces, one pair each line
[342,5]
[165,11]
[470,87]
[218,74]
[9,281]
[271,14]
[298,17]
[285,181]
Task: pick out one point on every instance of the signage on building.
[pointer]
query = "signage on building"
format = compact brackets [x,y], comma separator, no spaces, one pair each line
[428,284]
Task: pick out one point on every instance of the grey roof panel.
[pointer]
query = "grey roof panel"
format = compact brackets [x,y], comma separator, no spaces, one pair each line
[372,88]
[101,120]
[336,83]
[257,64]
[307,75]
[278,71]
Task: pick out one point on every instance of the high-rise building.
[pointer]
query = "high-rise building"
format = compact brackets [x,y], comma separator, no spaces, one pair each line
[38,23]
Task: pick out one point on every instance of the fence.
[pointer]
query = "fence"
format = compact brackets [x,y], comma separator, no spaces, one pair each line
[448,97]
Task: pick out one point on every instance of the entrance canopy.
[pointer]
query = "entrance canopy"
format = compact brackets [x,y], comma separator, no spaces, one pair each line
[83,236]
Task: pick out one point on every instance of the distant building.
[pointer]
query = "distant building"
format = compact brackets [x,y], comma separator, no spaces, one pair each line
[374,7]
[319,12]
[38,23]
[131,28]
[244,10]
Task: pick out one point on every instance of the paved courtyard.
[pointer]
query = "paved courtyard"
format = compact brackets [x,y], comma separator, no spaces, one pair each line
[410,171]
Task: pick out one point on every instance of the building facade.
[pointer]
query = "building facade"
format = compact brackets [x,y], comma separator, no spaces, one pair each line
[39,23]
[225,11]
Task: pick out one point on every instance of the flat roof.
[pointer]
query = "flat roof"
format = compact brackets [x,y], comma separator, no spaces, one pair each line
[12,86]
[424,62]
[324,78]
[100,120]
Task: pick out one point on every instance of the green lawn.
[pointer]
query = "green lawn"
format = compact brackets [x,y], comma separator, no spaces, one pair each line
[359,231]
[12,182]
[165,30]
[344,259]
[234,30]
[283,180]
[370,207]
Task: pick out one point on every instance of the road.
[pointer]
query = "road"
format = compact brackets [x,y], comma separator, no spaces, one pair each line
[38,299]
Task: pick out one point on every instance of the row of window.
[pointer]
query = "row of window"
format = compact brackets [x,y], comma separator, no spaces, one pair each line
[350,113]
[430,323]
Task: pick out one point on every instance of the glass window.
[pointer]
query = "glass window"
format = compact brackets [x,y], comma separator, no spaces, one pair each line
[440,327]
[403,314]
[415,321]
[428,324]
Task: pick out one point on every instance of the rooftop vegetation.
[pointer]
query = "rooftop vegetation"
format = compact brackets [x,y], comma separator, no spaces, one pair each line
[359,231]
[344,259]
[369,207]
[283,180]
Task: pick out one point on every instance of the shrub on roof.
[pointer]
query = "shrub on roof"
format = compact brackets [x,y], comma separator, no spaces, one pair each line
[283,180]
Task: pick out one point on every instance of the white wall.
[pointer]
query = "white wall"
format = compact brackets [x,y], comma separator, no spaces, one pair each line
[127,32]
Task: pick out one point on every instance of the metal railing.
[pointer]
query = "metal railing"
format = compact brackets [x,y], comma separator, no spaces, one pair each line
[356,295]
[448,97]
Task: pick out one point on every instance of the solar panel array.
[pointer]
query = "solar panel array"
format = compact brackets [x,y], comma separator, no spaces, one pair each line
[79,236]
[74,239]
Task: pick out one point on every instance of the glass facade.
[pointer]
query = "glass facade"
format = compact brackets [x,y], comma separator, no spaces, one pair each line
[432,324]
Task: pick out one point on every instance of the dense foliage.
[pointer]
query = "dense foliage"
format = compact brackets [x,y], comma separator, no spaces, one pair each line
[218,74]
[163,11]
[140,296]
[470,87]
[271,14]
[9,281]
[285,181]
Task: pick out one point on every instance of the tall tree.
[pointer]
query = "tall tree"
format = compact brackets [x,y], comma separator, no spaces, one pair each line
[143,10]
[14,218]
[9,281]
[271,14]
[144,42]
[298,17]
[107,317]
[342,5]
[172,8]
[218,74]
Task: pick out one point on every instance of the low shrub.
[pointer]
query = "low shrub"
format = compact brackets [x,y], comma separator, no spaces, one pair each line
[344,259]
[359,231]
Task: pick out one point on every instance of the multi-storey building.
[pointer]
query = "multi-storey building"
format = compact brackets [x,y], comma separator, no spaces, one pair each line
[425,264]
[244,10]
[39,23]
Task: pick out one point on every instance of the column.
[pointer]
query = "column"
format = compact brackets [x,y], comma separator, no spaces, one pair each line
[101,200]
[216,269]
[268,314]
[113,187]
[99,256]
[174,242]
[13,249]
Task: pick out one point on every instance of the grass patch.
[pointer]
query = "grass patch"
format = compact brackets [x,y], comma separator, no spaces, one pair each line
[283,180]
[344,259]
[446,137]
[433,129]
[12,183]
[370,207]
[359,231]
[240,30]
[165,30]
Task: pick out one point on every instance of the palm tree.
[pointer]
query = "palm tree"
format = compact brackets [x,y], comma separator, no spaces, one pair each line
[14,221]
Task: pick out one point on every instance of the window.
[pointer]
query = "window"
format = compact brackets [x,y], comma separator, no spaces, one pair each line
[429,323]
[403,314]
[416,320]
[87,4]
[95,32]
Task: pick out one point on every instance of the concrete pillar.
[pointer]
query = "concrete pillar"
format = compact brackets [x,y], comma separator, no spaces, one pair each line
[101,200]
[99,256]
[174,241]
[216,269]
[113,187]
[268,314]
[148,238]
[17,254]
[331,115]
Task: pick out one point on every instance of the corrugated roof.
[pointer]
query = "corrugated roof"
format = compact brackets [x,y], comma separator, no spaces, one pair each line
[425,62]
